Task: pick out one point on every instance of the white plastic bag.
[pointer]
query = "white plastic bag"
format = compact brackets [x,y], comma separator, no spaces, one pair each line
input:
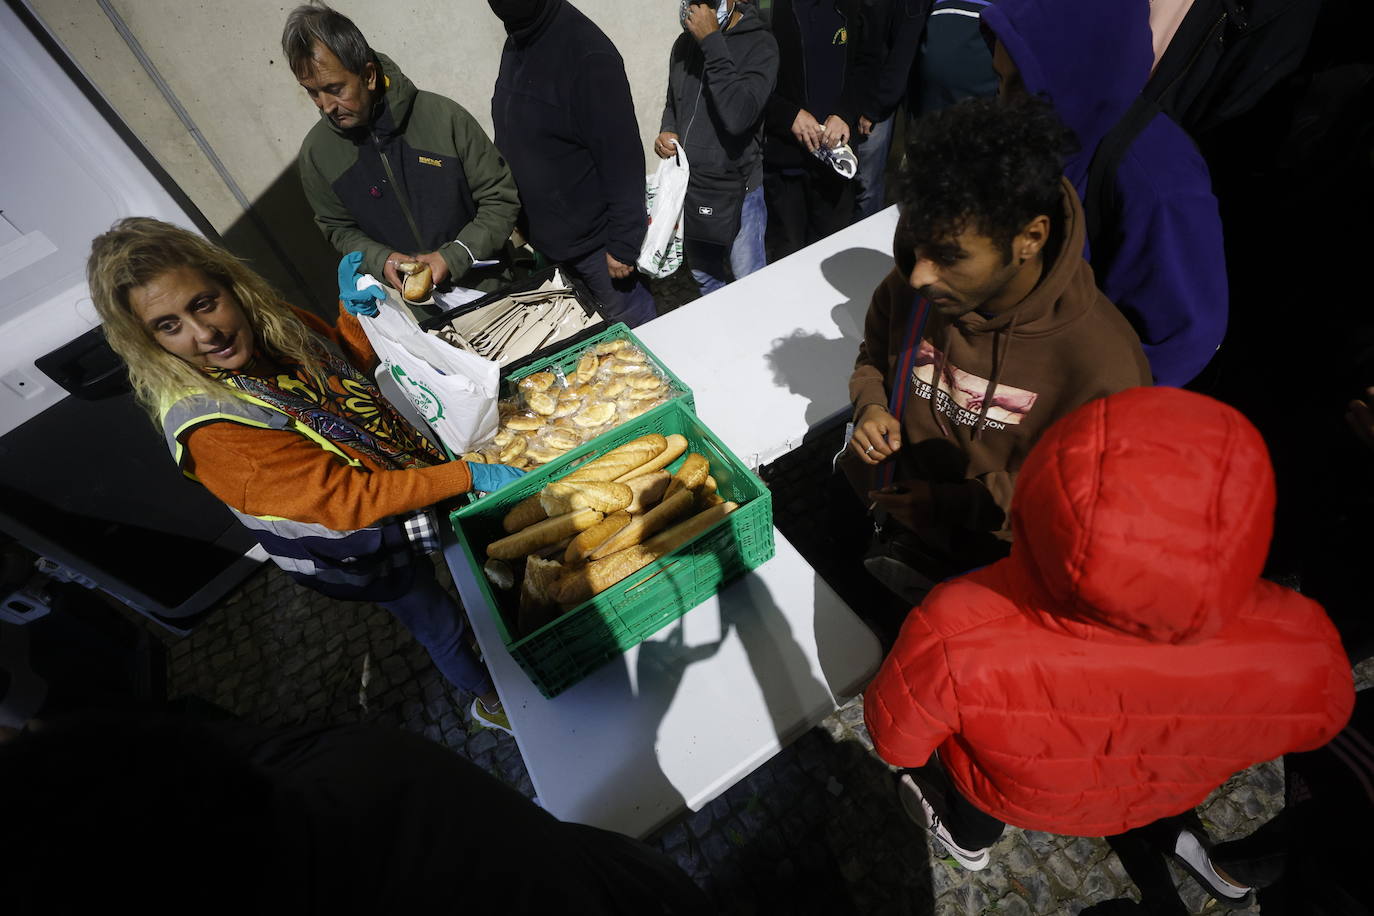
[453,391]
[665,192]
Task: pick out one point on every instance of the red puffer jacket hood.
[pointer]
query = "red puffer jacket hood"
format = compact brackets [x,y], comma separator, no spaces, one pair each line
[1158,537]
[1126,658]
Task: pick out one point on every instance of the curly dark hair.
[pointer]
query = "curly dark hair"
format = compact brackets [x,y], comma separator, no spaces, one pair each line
[984,164]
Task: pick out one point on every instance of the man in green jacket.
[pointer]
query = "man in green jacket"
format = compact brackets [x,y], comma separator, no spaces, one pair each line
[395,172]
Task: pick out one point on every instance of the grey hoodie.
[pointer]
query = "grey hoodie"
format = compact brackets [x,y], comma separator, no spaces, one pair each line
[717,90]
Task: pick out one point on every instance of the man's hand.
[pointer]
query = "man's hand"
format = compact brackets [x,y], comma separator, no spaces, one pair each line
[664,145]
[701,20]
[835,132]
[865,126]
[877,435]
[438,267]
[390,274]
[911,503]
[1360,416]
[616,269]
[807,130]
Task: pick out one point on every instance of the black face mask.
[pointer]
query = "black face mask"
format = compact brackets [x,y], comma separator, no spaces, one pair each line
[516,14]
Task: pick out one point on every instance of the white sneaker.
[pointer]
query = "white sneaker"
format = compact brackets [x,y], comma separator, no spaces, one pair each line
[920,811]
[1192,856]
[840,158]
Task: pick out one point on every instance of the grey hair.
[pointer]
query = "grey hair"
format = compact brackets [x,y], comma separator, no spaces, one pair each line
[308,24]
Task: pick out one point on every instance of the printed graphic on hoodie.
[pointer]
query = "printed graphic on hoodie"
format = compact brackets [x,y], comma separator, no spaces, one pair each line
[961,393]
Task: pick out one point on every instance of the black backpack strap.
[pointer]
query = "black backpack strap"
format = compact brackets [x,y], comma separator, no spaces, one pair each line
[1101,207]
[1190,58]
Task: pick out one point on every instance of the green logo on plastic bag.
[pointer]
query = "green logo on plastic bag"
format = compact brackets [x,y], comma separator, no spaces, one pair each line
[425,400]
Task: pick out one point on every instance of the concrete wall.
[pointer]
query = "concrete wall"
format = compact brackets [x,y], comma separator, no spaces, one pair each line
[222,62]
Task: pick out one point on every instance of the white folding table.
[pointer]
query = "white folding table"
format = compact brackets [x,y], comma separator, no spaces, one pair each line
[769,357]
[685,715]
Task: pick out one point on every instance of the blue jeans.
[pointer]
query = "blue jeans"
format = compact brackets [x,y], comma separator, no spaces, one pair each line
[871,179]
[435,620]
[745,253]
[627,300]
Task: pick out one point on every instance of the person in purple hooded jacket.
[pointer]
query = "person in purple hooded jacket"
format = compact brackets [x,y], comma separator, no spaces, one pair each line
[1168,273]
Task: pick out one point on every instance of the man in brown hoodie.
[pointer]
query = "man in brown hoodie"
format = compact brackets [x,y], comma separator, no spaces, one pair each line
[992,310]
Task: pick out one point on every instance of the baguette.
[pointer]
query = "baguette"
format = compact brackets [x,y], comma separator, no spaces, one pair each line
[647,491]
[577,585]
[537,594]
[674,446]
[621,460]
[670,540]
[594,537]
[646,525]
[602,495]
[691,475]
[542,534]
[526,513]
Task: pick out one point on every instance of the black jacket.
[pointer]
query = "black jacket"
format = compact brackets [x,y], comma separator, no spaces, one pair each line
[565,122]
[904,25]
[863,46]
[717,91]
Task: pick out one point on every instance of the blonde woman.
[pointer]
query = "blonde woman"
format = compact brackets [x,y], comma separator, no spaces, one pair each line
[276,414]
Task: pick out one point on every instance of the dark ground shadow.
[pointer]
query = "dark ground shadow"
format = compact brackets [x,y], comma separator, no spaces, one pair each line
[279,239]
[793,838]
[817,367]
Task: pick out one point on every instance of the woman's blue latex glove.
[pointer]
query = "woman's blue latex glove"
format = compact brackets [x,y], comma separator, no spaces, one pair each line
[357,301]
[491,477]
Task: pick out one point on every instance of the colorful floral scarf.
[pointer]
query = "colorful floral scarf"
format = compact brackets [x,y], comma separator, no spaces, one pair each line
[343,406]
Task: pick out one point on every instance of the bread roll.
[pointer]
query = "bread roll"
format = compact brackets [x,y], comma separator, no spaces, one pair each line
[541,402]
[562,438]
[513,449]
[586,368]
[418,284]
[539,381]
[607,347]
[597,413]
[525,423]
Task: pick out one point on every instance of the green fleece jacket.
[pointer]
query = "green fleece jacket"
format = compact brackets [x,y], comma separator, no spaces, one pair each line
[422,176]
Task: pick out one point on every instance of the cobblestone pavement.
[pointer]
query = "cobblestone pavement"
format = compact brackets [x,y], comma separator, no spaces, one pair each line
[817,829]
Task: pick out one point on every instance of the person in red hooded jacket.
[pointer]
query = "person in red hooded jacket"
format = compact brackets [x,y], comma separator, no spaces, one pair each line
[1126,658]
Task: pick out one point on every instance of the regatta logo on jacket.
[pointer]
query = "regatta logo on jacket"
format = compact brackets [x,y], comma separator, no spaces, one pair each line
[437,163]
[841,36]
[959,394]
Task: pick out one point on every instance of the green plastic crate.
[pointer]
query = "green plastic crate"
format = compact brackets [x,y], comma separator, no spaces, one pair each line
[564,651]
[567,361]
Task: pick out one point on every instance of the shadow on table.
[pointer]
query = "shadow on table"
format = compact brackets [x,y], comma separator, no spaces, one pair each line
[815,366]
[781,674]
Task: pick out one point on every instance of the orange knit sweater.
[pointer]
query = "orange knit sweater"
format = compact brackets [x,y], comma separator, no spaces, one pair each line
[280,472]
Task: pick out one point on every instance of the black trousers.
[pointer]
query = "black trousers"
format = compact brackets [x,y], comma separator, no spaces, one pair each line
[804,207]
[968,825]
